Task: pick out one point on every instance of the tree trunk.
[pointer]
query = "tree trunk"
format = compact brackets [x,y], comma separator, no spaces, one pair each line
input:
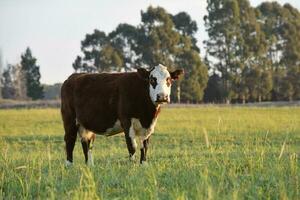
[178,93]
[227,101]
[244,99]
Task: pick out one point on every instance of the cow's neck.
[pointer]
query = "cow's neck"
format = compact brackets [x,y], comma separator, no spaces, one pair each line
[149,109]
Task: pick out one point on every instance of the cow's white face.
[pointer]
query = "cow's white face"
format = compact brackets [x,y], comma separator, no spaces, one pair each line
[160,84]
[160,81]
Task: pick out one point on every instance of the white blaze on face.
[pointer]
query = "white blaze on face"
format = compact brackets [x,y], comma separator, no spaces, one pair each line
[159,83]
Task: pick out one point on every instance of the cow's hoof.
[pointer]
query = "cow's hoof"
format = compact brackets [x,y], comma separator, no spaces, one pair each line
[90,163]
[132,158]
[68,163]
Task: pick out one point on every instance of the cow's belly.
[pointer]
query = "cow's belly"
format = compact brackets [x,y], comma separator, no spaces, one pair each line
[86,134]
[116,129]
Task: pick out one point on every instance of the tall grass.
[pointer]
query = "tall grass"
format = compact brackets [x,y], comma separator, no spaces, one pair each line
[195,153]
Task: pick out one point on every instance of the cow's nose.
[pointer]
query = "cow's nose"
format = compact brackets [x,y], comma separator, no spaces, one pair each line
[162,98]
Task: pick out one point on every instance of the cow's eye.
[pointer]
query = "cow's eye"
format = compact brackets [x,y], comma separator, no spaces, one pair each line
[153,81]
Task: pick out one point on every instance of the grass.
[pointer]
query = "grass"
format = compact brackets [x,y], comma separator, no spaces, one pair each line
[195,153]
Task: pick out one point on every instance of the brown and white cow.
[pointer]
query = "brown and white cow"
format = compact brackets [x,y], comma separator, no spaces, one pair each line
[111,103]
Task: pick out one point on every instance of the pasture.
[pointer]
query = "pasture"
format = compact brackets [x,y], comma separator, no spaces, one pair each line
[195,153]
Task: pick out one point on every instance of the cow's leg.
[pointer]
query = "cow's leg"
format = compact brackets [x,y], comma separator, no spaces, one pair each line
[144,149]
[87,140]
[85,148]
[70,136]
[130,138]
[70,139]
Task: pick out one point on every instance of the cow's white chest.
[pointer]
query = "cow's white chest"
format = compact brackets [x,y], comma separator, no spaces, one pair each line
[137,130]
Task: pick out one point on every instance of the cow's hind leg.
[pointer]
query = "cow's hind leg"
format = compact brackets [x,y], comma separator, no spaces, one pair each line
[87,140]
[70,138]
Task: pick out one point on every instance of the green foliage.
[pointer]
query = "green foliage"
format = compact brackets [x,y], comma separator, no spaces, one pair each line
[32,75]
[8,90]
[281,25]
[52,91]
[251,46]
[195,153]
[99,54]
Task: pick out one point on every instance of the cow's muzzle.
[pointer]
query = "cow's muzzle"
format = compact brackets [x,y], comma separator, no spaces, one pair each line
[162,98]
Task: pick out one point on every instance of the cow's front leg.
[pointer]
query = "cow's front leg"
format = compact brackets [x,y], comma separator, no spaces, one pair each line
[130,141]
[144,149]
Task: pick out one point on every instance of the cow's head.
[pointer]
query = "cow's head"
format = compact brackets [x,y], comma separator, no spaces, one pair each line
[160,81]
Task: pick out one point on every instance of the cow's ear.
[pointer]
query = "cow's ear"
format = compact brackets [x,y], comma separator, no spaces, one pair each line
[175,74]
[143,73]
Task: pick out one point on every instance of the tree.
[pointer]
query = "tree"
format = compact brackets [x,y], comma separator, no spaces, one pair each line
[32,75]
[52,91]
[281,26]
[19,82]
[125,41]
[1,68]
[186,27]
[213,91]
[8,90]
[223,47]
[237,47]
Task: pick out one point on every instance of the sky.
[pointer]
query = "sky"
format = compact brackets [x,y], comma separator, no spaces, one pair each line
[53,29]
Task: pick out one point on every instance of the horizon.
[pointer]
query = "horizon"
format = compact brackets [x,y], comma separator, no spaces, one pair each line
[53,30]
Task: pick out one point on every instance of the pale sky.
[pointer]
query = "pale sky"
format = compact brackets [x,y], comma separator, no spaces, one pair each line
[54,29]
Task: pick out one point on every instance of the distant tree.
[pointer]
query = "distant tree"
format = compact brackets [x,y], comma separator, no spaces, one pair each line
[32,75]
[158,39]
[196,77]
[237,47]
[213,91]
[125,41]
[1,70]
[186,27]
[52,91]
[99,54]
[223,47]
[19,81]
[281,27]
[8,89]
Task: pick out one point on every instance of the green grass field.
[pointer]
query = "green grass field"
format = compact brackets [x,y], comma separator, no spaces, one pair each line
[195,153]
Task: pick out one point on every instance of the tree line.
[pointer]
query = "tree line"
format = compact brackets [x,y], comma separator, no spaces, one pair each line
[251,54]
[22,81]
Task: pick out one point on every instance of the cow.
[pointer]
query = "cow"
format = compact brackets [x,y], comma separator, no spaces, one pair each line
[112,103]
